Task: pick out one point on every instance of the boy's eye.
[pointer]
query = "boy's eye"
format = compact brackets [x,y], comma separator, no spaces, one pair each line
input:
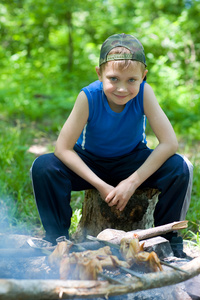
[131,80]
[113,79]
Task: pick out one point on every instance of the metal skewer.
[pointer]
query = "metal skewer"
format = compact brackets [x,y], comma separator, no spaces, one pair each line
[112,280]
[173,267]
[134,273]
[92,238]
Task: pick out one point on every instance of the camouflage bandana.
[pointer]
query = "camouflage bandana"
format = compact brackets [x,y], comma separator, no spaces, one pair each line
[122,40]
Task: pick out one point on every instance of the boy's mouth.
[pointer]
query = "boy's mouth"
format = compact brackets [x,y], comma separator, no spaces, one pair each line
[121,96]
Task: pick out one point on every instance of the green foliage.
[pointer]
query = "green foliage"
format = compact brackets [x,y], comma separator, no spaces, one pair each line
[194,211]
[48,52]
[16,201]
[193,238]
[76,217]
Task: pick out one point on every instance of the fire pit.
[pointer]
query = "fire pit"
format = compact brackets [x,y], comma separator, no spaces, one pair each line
[27,274]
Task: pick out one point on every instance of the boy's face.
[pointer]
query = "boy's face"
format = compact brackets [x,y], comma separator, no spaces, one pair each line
[120,86]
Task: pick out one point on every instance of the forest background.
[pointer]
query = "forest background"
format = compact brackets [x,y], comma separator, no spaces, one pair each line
[48,52]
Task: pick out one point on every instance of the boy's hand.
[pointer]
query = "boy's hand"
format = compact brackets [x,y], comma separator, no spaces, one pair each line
[120,195]
[105,190]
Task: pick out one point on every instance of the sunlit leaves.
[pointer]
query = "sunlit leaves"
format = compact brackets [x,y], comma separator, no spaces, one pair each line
[47,41]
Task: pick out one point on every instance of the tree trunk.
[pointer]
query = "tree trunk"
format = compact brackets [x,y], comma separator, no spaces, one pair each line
[70,41]
[97,215]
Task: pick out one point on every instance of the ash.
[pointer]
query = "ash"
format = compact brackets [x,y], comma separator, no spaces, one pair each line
[26,268]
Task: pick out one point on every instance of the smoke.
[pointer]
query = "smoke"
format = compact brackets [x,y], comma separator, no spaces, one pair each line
[17,259]
[4,216]
[8,221]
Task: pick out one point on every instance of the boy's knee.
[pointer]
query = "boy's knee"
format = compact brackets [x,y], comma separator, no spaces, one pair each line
[189,165]
[179,168]
[41,165]
[187,169]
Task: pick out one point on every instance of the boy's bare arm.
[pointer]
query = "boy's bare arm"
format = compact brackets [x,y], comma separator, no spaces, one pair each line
[66,140]
[164,132]
[167,147]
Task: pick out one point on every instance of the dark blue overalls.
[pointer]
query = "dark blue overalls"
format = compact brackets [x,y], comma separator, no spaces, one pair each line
[53,183]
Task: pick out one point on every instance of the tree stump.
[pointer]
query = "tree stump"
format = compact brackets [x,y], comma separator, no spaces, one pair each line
[97,215]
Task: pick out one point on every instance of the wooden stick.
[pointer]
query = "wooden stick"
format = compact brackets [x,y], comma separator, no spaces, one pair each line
[115,236]
[159,230]
[71,289]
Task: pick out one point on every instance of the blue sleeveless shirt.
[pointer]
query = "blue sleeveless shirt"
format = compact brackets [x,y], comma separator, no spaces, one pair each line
[111,134]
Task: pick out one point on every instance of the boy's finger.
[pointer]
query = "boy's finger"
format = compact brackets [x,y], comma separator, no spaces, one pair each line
[109,197]
[122,206]
[113,202]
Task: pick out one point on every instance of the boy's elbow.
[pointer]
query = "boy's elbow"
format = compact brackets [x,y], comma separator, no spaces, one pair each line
[57,152]
[60,151]
[174,146]
[171,146]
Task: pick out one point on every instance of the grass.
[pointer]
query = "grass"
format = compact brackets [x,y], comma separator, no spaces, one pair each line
[192,151]
[25,121]
[193,238]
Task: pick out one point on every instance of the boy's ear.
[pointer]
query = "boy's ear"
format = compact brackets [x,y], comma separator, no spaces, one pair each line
[144,74]
[99,73]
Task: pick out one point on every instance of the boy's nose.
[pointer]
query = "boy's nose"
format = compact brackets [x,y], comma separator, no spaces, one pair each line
[121,88]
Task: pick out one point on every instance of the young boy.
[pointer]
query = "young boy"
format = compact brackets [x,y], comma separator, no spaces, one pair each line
[102,145]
